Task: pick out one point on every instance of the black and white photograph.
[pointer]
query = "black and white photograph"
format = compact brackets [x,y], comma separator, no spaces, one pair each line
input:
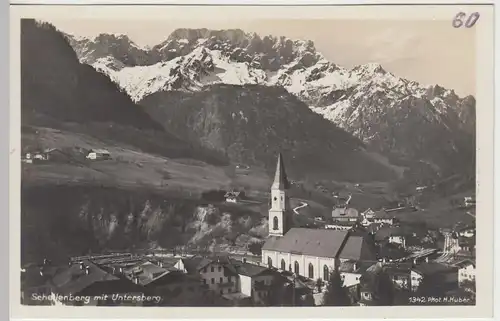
[220,162]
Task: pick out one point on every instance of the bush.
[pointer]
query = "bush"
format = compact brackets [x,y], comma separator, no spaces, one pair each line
[255,248]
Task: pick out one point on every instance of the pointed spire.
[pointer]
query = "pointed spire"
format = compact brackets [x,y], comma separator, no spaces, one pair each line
[280,179]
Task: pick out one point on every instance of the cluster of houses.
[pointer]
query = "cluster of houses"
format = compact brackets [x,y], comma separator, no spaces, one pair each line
[170,281]
[358,246]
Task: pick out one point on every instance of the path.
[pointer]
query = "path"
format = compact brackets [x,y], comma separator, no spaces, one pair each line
[296,209]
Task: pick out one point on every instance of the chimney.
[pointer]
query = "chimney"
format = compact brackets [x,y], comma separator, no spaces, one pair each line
[136,280]
[121,270]
[82,266]
[355,266]
[87,270]
[383,260]
[426,259]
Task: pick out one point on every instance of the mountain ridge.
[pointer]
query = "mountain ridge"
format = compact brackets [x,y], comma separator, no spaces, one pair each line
[365,100]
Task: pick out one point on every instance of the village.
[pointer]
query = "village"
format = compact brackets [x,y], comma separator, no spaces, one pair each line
[342,260]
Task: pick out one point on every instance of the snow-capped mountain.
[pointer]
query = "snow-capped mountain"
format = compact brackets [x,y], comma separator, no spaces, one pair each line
[401,118]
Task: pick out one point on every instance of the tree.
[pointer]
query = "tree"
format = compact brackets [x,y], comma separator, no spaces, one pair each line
[430,286]
[255,248]
[280,293]
[384,290]
[335,293]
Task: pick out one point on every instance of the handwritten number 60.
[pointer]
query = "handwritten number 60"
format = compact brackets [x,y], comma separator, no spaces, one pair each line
[469,23]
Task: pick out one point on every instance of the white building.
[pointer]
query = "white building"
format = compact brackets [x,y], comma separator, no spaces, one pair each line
[466,272]
[95,154]
[312,253]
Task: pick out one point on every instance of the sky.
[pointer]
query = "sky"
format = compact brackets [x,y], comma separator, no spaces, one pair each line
[430,52]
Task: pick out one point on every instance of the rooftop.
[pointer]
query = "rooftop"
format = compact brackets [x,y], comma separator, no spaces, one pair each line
[315,242]
[433,268]
[322,243]
[74,279]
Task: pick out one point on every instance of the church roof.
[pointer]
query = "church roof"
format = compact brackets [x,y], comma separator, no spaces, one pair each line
[280,179]
[314,242]
[322,243]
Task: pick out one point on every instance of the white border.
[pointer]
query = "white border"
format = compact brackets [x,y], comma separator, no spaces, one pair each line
[485,128]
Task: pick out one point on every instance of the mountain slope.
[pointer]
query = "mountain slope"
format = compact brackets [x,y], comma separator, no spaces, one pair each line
[60,92]
[412,124]
[252,124]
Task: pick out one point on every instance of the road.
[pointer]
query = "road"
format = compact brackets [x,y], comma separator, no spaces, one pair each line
[296,209]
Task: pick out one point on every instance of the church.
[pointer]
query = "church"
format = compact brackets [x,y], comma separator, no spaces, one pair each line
[312,253]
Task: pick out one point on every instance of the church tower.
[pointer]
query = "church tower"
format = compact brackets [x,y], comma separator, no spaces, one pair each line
[280,218]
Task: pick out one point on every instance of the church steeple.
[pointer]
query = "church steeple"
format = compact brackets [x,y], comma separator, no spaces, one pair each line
[280,179]
[280,217]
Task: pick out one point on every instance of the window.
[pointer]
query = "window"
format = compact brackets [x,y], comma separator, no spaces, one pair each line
[296,267]
[204,281]
[213,280]
[212,269]
[311,271]
[275,198]
[221,280]
[275,223]
[283,265]
[269,262]
[326,273]
[204,270]
[229,279]
[290,267]
[220,268]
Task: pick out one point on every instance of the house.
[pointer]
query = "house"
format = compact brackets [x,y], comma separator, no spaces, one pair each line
[368,214]
[351,272]
[254,280]
[401,276]
[232,197]
[368,284]
[173,286]
[443,277]
[467,232]
[391,234]
[98,154]
[466,271]
[90,283]
[214,273]
[383,217]
[398,238]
